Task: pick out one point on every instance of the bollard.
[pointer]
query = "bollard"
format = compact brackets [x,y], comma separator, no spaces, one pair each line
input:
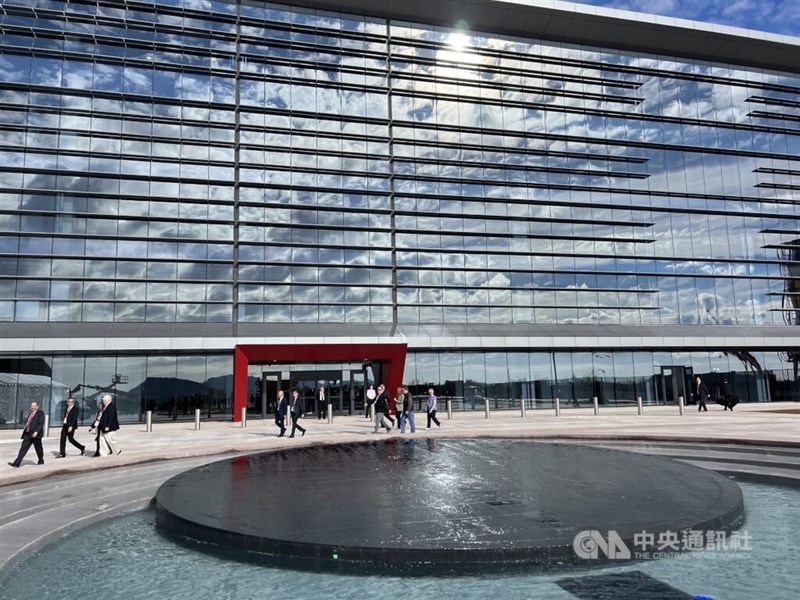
[244,417]
[372,412]
[639,405]
[330,413]
[197,419]
[522,408]
[46,426]
[596,407]
[149,422]
[558,407]
[449,404]
[680,405]
[486,408]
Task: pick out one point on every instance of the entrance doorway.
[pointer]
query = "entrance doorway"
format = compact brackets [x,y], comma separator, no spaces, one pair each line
[344,387]
[676,381]
[309,382]
[307,366]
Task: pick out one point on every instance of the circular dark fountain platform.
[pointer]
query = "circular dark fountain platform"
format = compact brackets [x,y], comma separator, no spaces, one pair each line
[432,505]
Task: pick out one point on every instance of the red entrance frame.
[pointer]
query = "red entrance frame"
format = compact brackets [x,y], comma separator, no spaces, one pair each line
[391,357]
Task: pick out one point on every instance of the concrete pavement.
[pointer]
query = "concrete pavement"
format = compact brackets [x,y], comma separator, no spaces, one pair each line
[40,504]
[773,424]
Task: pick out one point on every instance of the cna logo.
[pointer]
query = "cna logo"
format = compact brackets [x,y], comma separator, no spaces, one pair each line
[589,543]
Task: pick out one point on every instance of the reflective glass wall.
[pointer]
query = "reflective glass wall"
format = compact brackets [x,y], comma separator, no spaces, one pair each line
[507,379]
[172,386]
[211,161]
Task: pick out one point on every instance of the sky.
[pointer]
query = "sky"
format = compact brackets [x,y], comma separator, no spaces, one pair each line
[774,16]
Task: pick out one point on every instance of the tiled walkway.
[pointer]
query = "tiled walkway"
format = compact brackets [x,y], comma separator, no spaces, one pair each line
[41,503]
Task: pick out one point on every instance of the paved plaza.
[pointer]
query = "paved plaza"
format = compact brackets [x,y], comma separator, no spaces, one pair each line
[40,503]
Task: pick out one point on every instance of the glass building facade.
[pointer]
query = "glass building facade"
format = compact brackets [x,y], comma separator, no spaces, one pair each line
[535,218]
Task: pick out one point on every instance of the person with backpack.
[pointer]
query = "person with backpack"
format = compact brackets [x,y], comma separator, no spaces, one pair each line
[729,400]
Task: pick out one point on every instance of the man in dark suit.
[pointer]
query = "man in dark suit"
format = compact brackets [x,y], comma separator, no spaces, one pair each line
[322,403]
[68,429]
[281,406]
[728,398]
[701,394]
[32,434]
[296,411]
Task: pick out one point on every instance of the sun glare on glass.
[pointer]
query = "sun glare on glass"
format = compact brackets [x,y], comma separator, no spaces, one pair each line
[457,50]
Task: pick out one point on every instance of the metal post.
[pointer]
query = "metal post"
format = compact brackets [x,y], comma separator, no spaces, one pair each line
[522,408]
[244,417]
[372,412]
[149,421]
[449,404]
[486,407]
[596,407]
[680,405]
[330,413]
[197,419]
[558,407]
[46,426]
[639,405]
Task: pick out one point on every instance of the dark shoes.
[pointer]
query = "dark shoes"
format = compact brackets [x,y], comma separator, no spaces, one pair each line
[15,465]
[303,433]
[41,462]
[95,455]
[291,436]
[83,450]
[61,456]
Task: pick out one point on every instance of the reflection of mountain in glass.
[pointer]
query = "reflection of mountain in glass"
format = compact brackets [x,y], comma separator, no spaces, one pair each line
[172,395]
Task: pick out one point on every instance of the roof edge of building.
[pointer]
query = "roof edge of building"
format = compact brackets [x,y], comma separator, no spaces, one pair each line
[590,26]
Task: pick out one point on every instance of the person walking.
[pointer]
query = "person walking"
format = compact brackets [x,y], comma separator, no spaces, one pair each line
[296,411]
[728,398]
[381,409]
[371,395]
[398,407]
[93,428]
[407,416]
[322,403]
[31,436]
[430,408]
[281,406]
[68,429]
[107,428]
[700,394]
[386,404]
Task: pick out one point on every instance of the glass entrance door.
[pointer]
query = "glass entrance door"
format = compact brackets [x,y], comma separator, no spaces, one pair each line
[270,384]
[309,382]
[676,382]
[358,387]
